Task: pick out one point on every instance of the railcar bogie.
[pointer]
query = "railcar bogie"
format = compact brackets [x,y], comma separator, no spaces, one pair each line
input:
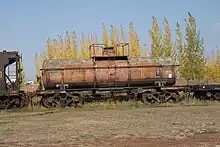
[13,101]
[59,99]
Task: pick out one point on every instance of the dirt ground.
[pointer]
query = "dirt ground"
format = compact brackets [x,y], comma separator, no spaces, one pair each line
[165,126]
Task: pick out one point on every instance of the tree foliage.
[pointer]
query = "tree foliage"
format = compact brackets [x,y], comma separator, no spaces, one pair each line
[22,74]
[123,39]
[178,55]
[212,68]
[156,39]
[193,60]
[134,41]
[104,35]
[178,51]
[167,41]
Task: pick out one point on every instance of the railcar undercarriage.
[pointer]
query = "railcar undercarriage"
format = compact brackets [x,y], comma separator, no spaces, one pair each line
[14,100]
[147,95]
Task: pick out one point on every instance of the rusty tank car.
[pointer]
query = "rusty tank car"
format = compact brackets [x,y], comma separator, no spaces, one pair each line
[106,72]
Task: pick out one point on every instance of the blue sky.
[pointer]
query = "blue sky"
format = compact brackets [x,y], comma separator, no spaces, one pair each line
[25,25]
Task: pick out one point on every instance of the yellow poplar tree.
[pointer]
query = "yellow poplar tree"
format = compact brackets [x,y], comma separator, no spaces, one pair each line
[87,44]
[95,40]
[179,54]
[68,50]
[137,46]
[36,62]
[168,45]
[117,40]
[61,53]
[156,38]
[37,67]
[217,68]
[104,35]
[50,49]
[55,48]
[213,68]
[113,35]
[82,47]
[207,69]
[74,45]
[132,40]
[123,40]
[43,57]
[22,74]
[179,44]
[193,51]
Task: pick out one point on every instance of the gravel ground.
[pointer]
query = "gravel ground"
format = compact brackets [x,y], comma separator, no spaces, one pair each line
[174,126]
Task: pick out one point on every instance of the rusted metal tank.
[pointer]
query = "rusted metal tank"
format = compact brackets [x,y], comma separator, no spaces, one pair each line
[107,71]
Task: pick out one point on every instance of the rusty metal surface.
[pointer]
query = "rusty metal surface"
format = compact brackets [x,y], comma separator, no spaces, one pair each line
[110,50]
[106,72]
[65,63]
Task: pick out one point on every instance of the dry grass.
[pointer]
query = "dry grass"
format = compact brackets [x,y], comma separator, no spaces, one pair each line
[122,105]
[43,127]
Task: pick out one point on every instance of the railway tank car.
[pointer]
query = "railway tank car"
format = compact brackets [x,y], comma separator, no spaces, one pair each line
[108,72]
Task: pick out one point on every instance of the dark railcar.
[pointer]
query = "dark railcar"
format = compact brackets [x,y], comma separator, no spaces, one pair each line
[10,93]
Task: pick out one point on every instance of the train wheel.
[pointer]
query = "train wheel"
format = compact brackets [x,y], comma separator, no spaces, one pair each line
[180,96]
[47,102]
[82,100]
[60,101]
[217,96]
[20,102]
[4,103]
[149,97]
[15,102]
[170,96]
[69,101]
[162,96]
[77,99]
[72,100]
[145,98]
